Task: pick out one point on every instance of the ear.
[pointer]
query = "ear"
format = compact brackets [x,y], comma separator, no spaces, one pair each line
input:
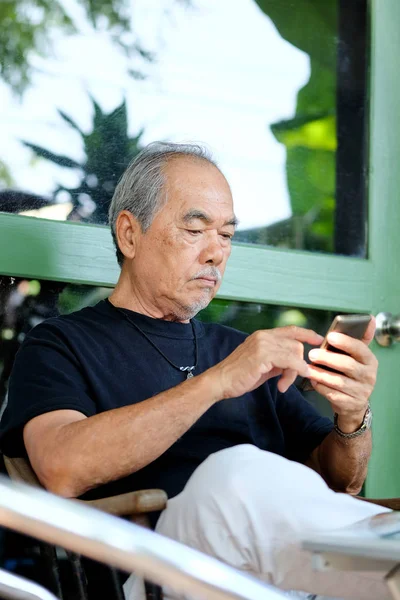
[127,230]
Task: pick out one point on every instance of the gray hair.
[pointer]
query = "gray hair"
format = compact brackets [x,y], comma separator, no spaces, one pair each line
[140,188]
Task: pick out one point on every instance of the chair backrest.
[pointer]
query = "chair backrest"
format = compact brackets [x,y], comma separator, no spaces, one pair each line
[18,588]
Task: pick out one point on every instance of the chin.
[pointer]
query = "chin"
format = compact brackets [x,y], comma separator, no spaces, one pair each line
[190,310]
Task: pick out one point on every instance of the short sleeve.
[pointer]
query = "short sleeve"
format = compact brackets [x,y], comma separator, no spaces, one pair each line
[303,427]
[46,376]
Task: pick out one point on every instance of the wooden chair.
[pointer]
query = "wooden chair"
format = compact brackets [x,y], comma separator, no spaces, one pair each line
[134,506]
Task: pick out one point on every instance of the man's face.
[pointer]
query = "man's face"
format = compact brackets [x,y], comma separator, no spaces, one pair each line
[179,261]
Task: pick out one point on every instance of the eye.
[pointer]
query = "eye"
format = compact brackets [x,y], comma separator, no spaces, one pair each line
[194,231]
[227,236]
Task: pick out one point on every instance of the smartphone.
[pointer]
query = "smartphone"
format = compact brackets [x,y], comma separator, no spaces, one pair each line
[353,325]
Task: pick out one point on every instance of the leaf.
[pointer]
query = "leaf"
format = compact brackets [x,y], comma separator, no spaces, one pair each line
[5,175]
[70,121]
[310,136]
[317,133]
[58,159]
[135,74]
[310,176]
[310,25]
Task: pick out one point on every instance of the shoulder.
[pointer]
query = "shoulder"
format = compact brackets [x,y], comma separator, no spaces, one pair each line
[223,332]
[64,327]
[221,338]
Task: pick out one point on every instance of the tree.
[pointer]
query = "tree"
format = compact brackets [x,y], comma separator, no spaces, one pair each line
[310,136]
[27,28]
[108,149]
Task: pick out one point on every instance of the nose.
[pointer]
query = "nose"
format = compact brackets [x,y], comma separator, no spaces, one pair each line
[213,253]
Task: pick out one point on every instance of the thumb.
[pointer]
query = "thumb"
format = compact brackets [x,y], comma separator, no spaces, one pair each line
[369,334]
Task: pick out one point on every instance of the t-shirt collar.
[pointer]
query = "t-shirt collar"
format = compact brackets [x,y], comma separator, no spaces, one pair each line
[151,325]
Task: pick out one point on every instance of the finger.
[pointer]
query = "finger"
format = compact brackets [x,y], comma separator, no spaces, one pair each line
[275,371]
[265,377]
[340,401]
[355,348]
[287,379]
[341,362]
[369,334]
[300,334]
[290,362]
[335,381]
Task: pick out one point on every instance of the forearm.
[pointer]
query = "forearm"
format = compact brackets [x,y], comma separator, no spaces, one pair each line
[343,462]
[87,453]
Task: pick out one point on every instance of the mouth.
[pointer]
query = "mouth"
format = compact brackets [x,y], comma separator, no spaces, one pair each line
[208,281]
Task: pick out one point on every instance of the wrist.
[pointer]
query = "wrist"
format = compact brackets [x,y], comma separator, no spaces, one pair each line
[211,388]
[351,427]
[350,423]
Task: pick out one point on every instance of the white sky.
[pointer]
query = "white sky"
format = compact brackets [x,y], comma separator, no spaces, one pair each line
[222,75]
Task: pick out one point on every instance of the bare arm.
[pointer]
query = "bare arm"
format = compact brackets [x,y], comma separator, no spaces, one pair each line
[72,454]
[343,463]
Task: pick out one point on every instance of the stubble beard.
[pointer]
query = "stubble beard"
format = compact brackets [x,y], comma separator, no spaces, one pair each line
[187,311]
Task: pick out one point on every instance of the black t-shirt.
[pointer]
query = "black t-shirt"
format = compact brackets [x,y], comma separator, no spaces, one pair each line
[95,360]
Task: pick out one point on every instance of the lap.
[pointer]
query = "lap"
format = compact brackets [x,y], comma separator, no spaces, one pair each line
[249,508]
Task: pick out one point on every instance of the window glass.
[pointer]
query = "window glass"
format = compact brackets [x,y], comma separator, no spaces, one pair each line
[275,89]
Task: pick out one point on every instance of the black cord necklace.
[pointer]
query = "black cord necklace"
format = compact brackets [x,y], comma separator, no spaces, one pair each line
[188,370]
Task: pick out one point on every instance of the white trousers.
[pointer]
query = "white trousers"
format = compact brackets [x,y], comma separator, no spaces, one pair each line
[249,508]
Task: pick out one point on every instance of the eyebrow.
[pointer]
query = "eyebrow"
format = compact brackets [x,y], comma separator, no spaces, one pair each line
[199,214]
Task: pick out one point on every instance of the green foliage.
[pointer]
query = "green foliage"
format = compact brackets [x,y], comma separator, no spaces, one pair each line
[6,179]
[249,317]
[27,27]
[108,149]
[310,137]
[58,159]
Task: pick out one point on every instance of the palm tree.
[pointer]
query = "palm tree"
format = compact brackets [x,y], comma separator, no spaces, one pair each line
[108,149]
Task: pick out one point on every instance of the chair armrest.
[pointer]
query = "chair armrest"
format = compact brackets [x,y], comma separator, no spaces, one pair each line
[393,503]
[19,469]
[142,501]
[123,505]
[131,503]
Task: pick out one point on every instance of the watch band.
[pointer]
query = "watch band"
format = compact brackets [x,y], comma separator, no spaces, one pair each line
[365,425]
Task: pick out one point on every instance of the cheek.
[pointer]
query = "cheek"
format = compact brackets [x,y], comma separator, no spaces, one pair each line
[169,259]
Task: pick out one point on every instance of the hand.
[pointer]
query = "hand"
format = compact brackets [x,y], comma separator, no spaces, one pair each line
[347,391]
[264,354]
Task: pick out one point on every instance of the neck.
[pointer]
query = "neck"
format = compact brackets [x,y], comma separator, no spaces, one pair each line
[127,295]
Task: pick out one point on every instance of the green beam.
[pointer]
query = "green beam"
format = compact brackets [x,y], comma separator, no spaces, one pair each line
[56,250]
[67,251]
[384,220]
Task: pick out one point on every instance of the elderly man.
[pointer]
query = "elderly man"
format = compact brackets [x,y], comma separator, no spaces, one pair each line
[135,393]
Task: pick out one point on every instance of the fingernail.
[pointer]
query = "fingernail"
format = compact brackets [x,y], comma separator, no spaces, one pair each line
[313,354]
[333,337]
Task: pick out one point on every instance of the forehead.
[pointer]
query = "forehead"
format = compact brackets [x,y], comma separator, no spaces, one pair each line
[193,183]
